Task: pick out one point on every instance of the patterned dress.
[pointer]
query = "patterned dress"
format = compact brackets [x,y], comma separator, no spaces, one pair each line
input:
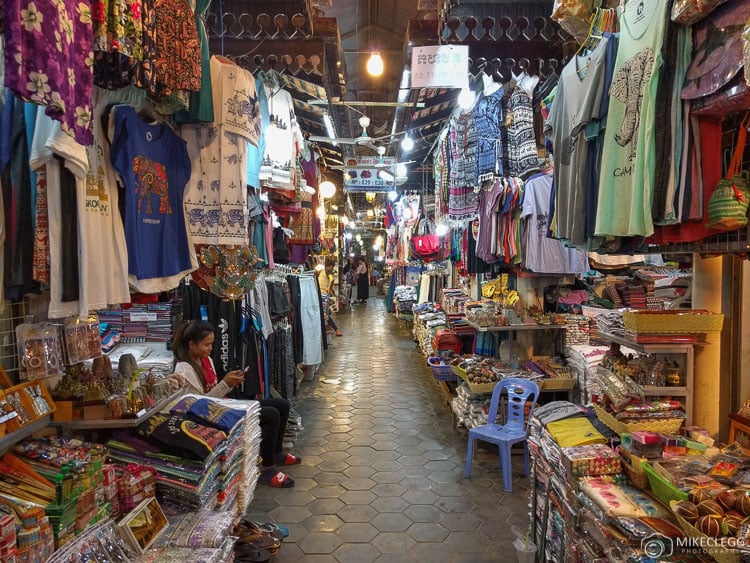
[49,59]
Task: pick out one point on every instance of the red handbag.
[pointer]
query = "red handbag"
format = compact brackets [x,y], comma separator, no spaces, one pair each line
[425,241]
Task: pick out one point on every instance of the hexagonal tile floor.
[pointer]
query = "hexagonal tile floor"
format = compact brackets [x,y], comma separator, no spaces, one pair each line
[382,477]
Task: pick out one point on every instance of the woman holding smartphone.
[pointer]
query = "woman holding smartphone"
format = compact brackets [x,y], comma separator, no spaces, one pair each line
[192,344]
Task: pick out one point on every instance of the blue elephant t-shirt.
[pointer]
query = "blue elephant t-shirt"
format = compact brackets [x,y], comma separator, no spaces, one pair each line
[154,168]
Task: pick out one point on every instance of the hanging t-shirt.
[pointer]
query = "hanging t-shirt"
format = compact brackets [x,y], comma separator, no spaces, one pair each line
[579,94]
[541,254]
[255,152]
[62,250]
[215,200]
[626,186]
[489,200]
[280,157]
[522,151]
[154,167]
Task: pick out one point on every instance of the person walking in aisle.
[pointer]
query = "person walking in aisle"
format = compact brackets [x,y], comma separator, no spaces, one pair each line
[192,344]
[362,281]
[327,287]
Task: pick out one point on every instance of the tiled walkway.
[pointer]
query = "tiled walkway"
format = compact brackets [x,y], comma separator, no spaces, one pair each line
[382,472]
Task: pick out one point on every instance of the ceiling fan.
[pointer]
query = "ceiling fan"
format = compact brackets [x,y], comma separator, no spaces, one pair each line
[363,140]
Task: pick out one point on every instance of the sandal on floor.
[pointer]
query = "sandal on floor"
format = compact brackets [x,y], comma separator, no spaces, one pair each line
[339,333]
[249,553]
[276,530]
[278,479]
[287,459]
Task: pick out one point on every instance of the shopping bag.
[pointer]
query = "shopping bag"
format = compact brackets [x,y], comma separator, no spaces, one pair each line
[727,207]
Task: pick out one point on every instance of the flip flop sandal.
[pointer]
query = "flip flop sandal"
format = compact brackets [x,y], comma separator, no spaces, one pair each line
[250,553]
[259,539]
[277,531]
[289,459]
[280,480]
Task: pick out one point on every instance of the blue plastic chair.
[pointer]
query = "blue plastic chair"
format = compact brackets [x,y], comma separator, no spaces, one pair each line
[515,429]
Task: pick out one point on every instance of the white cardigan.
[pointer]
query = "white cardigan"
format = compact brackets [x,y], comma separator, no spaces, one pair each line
[193,380]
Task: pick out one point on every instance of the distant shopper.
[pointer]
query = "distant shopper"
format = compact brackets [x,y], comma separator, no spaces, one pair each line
[192,345]
[327,287]
[362,280]
[374,276]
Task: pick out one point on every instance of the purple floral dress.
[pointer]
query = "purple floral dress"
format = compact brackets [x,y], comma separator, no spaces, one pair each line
[49,58]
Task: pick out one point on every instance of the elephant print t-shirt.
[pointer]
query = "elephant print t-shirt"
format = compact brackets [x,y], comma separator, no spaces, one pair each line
[626,184]
[153,164]
[579,94]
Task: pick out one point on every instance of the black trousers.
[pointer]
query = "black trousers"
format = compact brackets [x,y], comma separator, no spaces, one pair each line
[274,414]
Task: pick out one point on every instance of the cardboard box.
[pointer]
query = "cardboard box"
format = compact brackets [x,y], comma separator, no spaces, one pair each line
[141,527]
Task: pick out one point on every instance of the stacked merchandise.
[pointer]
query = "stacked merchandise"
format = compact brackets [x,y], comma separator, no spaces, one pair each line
[582,507]
[140,323]
[622,402]
[99,543]
[157,362]
[470,409]
[192,460]
[664,285]
[453,300]
[427,321]
[583,361]
[633,295]
[611,323]
[82,494]
[576,330]
[7,538]
[194,531]
[404,297]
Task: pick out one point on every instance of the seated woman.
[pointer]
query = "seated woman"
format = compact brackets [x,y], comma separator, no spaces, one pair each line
[192,344]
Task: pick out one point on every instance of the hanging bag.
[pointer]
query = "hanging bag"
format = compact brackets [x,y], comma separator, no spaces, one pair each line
[688,12]
[727,207]
[425,241]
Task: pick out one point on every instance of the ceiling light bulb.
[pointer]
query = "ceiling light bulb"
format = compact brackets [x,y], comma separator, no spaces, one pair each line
[375,64]
[407,143]
[348,236]
[358,237]
[466,99]
[345,220]
[327,189]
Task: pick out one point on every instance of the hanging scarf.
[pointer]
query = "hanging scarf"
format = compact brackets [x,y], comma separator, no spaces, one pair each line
[209,373]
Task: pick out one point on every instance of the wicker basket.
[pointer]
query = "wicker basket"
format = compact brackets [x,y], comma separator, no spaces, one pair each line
[663,425]
[441,371]
[637,476]
[672,322]
[478,388]
[558,383]
[721,554]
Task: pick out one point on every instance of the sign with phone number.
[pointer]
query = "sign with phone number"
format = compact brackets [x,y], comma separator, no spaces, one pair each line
[362,174]
[440,66]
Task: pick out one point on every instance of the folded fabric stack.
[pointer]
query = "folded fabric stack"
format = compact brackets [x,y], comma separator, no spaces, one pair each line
[187,455]
[611,323]
[427,321]
[239,472]
[453,300]
[583,361]
[469,408]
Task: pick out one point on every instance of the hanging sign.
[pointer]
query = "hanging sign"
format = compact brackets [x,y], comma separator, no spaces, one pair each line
[440,66]
[369,174]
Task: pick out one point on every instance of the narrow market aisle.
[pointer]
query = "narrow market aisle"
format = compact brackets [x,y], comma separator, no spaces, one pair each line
[382,471]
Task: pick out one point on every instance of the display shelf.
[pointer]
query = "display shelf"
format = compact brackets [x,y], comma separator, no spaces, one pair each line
[513,328]
[16,436]
[687,350]
[662,348]
[109,424]
[676,391]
